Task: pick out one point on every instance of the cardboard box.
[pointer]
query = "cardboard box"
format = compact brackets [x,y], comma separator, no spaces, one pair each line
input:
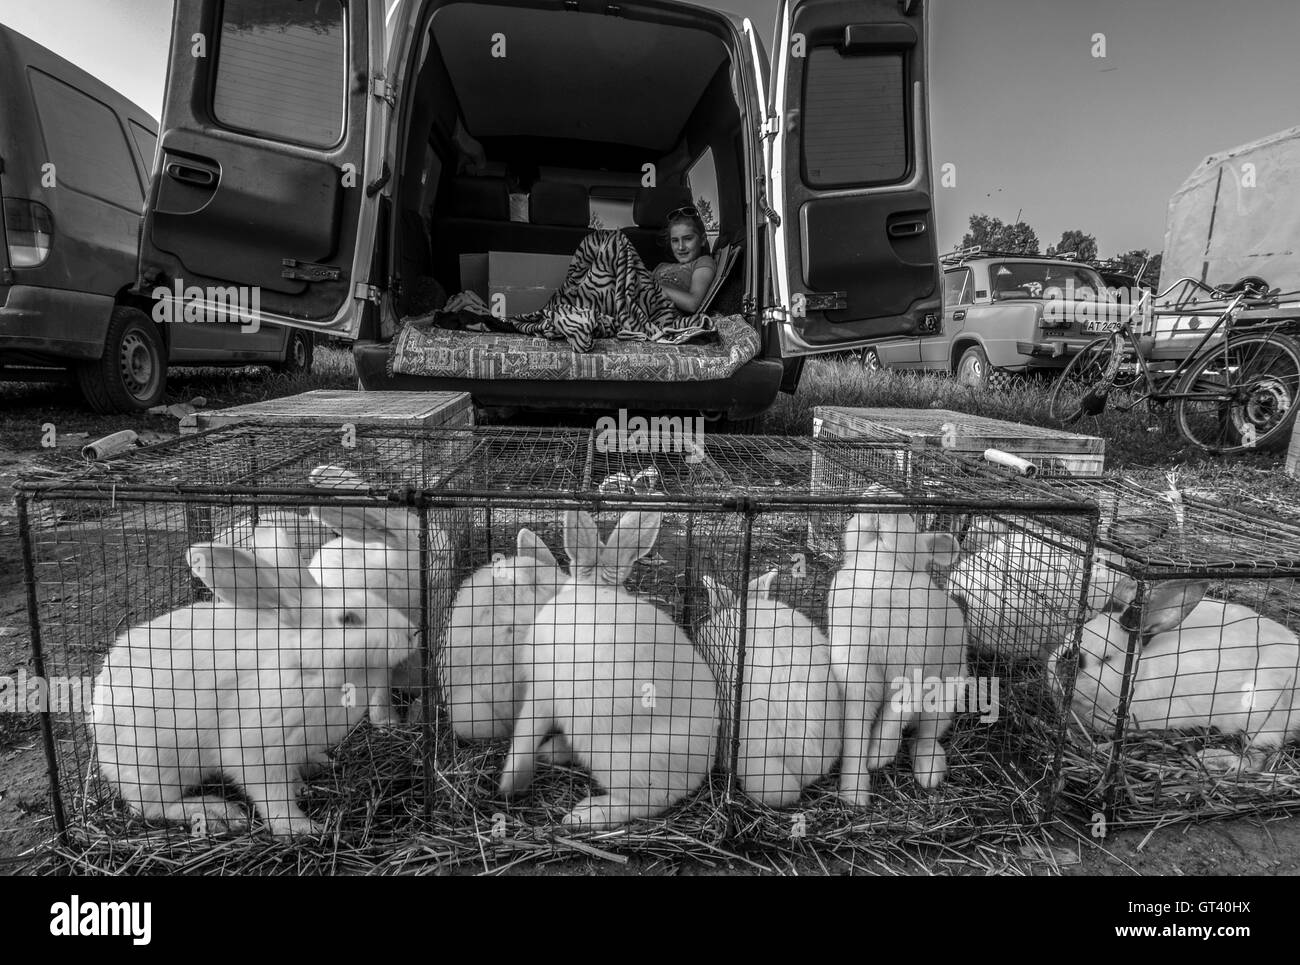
[474,274]
[524,282]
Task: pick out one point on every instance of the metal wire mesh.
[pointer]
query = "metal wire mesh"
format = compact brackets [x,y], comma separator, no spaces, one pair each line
[481,660]
[1183,687]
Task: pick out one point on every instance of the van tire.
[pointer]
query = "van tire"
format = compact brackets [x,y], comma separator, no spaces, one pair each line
[131,375]
[298,354]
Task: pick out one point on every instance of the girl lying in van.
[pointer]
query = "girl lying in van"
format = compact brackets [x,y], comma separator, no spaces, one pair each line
[608,293]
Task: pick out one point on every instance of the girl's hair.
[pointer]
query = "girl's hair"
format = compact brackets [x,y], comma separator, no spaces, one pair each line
[687,216]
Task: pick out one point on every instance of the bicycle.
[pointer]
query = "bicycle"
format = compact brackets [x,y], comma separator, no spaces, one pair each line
[1240,394]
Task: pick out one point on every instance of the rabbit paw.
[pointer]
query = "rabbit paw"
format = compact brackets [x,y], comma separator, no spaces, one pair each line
[209,814]
[594,813]
[293,825]
[1222,759]
[855,796]
[929,768]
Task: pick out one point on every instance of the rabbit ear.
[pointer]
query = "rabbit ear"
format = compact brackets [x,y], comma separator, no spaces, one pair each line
[528,544]
[942,548]
[1169,604]
[245,579]
[582,543]
[336,477]
[633,538]
[720,596]
[366,523]
[761,588]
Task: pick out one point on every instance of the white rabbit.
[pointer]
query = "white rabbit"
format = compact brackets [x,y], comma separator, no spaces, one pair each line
[378,548]
[888,619]
[620,680]
[791,706]
[378,551]
[489,630]
[255,686]
[1020,592]
[270,539]
[1202,664]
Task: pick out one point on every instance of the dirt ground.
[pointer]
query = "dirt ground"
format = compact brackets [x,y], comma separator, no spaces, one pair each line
[1245,846]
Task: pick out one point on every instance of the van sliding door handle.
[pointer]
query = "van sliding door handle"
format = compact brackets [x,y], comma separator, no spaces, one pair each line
[906,229]
[188,174]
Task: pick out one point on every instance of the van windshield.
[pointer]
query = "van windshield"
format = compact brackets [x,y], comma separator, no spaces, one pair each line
[1030,279]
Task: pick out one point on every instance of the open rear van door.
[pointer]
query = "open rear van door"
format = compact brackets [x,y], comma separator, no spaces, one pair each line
[272,123]
[852,227]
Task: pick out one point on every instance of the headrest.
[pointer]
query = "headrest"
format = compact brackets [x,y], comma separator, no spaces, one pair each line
[653,205]
[557,203]
[485,198]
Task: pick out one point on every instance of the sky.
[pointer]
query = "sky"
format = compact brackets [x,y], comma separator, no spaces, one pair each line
[1032,122]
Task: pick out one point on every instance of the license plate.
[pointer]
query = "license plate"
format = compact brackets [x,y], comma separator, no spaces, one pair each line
[1100,326]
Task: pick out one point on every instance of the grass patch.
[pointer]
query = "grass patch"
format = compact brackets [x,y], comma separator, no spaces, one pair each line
[1146,436]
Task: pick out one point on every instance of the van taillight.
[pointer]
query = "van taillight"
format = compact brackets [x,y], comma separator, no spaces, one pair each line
[29,229]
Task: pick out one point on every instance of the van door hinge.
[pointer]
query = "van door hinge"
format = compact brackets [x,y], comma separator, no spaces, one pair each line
[766,206]
[770,126]
[385,91]
[305,271]
[367,293]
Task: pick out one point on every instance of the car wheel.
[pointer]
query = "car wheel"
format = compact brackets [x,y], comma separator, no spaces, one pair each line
[973,368]
[132,373]
[870,360]
[299,354]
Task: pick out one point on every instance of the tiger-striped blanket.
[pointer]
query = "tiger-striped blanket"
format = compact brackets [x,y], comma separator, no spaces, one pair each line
[609,293]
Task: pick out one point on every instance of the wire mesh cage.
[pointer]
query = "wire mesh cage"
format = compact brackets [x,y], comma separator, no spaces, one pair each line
[500,638]
[1184,699]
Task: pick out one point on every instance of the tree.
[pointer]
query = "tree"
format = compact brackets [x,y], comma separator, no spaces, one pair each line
[705,208]
[1084,246]
[994,234]
[594,222]
[1132,263]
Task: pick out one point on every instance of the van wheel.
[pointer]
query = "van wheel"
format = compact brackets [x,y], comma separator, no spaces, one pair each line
[753,426]
[132,373]
[299,354]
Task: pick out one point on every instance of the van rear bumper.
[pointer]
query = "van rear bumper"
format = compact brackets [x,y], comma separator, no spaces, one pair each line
[50,323]
[749,392]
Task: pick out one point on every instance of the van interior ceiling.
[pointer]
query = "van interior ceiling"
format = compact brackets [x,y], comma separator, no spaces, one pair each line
[631,93]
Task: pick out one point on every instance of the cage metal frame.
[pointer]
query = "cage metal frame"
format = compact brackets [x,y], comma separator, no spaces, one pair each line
[134,481]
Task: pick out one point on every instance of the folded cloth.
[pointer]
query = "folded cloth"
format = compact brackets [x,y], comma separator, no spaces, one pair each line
[609,293]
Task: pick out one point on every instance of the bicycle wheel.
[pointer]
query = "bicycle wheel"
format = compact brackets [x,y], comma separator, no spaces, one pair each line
[1241,396]
[1083,385]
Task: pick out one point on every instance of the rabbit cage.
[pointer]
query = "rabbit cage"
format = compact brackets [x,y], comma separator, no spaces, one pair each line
[1186,693]
[409,624]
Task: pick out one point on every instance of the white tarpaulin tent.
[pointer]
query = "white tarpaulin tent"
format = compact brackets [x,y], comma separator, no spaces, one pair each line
[1238,214]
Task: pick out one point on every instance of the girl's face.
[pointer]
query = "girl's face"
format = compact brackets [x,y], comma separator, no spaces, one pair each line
[685,243]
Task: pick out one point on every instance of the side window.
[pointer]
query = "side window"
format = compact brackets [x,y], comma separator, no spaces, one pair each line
[703,180]
[855,119]
[146,141]
[610,208]
[281,70]
[957,287]
[85,143]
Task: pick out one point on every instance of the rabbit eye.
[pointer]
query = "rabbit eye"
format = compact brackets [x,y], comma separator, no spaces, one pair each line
[351,618]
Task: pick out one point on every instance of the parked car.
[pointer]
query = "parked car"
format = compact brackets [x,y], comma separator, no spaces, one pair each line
[1007,313]
[337,192]
[76,157]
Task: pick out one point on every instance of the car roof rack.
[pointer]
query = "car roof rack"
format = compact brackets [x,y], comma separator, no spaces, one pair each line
[978,251]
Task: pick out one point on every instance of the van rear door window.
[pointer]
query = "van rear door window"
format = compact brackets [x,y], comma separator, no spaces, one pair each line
[855,119]
[85,142]
[146,141]
[281,70]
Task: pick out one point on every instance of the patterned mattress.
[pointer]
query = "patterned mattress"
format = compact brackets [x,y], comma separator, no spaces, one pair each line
[420,350]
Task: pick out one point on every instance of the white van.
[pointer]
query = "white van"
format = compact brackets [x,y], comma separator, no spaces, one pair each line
[318,155]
